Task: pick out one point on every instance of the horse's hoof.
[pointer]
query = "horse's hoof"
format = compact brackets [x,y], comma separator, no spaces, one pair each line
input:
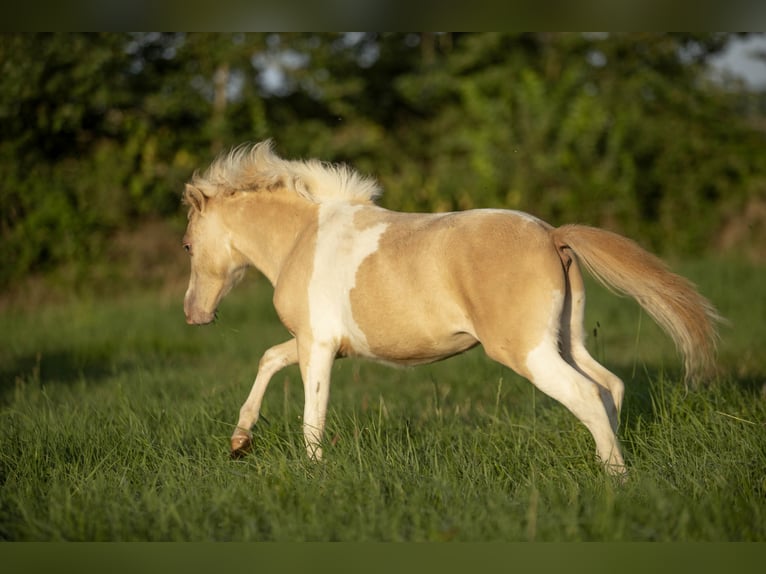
[241,445]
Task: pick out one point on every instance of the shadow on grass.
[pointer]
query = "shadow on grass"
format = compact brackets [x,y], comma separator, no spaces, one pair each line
[58,367]
[644,390]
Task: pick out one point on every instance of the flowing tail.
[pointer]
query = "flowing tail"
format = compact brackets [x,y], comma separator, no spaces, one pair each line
[673,302]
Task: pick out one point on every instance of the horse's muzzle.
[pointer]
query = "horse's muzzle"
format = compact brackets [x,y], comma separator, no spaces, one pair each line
[195,313]
[199,318]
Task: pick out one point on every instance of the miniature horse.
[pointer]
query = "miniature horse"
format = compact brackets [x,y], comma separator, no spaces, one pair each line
[353,279]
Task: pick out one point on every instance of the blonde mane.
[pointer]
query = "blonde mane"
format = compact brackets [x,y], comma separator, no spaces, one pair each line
[255,167]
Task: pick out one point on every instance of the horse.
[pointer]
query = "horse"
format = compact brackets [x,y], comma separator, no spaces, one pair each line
[352,278]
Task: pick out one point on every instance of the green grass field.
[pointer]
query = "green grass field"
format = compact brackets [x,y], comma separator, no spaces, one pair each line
[115,419]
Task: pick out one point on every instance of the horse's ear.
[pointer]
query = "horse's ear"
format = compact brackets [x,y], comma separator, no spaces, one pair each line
[195,198]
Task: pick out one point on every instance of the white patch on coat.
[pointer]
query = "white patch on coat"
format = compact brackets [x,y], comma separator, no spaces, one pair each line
[539,360]
[340,250]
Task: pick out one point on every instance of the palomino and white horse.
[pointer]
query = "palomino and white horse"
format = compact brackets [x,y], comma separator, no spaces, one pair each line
[353,279]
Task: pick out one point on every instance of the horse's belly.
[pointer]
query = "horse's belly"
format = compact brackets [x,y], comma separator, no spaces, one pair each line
[411,326]
[412,348]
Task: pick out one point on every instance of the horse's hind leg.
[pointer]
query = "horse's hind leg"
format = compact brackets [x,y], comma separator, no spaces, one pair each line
[611,383]
[573,345]
[550,373]
[558,379]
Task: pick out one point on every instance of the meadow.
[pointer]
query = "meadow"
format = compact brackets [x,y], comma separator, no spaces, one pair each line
[115,418]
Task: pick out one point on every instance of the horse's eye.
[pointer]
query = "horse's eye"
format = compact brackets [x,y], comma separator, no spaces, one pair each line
[187,247]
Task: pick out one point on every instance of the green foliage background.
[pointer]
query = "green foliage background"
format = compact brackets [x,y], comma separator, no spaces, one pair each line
[99,131]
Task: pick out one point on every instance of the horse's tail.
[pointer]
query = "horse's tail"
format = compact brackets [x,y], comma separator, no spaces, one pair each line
[672,301]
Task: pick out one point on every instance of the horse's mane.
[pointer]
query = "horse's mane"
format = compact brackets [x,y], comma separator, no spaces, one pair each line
[255,167]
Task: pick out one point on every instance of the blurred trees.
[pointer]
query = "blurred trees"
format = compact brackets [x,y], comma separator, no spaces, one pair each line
[620,130]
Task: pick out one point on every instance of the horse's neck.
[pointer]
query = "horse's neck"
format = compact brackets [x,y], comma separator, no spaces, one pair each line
[266,225]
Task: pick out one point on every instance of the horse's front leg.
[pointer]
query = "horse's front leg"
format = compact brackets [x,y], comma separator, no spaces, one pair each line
[316,364]
[273,360]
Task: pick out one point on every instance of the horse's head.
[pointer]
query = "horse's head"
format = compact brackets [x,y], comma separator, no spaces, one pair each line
[216,266]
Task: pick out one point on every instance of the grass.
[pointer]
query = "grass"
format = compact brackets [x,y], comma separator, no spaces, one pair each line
[115,418]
